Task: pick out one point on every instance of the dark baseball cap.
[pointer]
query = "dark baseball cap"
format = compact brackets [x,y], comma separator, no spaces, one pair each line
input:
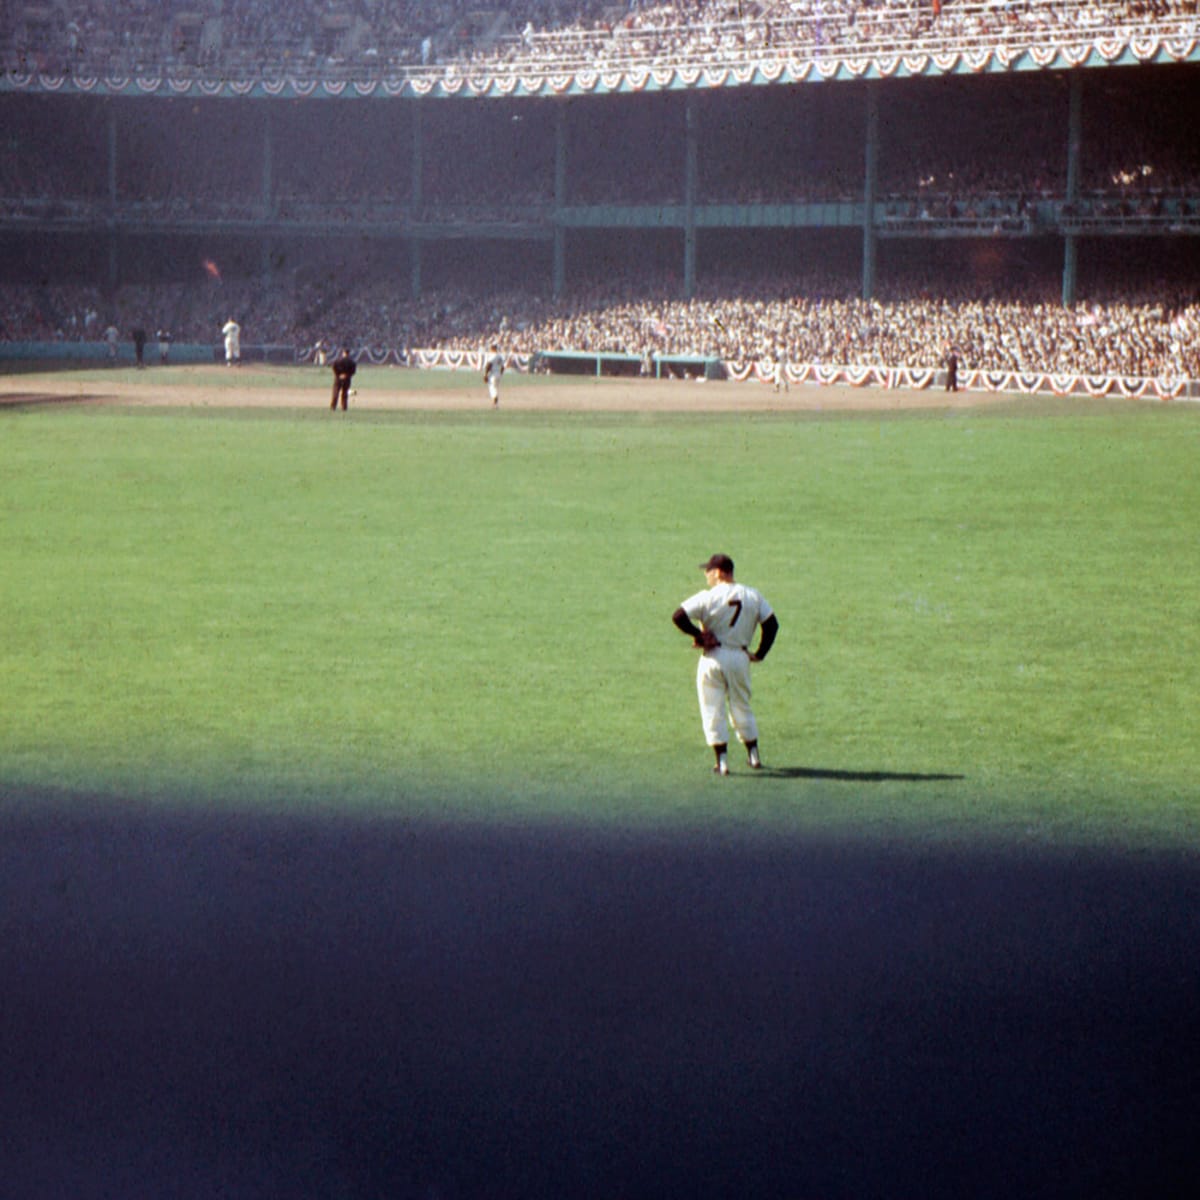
[718,562]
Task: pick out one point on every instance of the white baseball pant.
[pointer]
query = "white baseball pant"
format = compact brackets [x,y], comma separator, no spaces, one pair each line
[723,679]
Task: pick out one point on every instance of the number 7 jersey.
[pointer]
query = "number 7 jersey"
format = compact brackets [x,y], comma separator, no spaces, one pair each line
[730,611]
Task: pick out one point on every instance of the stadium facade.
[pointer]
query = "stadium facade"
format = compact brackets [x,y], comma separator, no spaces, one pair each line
[991,155]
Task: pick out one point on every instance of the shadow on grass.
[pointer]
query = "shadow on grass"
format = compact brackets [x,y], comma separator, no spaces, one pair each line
[203,1004]
[19,401]
[854,776]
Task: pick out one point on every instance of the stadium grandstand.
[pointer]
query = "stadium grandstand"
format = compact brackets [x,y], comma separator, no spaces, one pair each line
[852,186]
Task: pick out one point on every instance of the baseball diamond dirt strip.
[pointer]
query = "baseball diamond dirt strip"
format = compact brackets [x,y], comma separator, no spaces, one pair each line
[210,387]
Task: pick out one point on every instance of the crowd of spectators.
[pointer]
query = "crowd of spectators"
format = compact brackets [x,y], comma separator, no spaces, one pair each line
[1151,175]
[1141,168]
[814,318]
[720,33]
[963,149]
[820,320]
[356,38]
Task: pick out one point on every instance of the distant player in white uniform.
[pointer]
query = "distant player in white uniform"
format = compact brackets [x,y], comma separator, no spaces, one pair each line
[721,622]
[780,372]
[492,370]
[233,342]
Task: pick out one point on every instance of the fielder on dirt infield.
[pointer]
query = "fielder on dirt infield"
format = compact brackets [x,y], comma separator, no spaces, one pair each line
[493,368]
[721,621]
[232,333]
[344,368]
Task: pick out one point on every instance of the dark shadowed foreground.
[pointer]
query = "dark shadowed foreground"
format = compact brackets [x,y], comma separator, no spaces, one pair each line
[202,1006]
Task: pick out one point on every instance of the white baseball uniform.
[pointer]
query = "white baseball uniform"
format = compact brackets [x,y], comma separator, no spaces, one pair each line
[233,341]
[731,612]
[492,373]
[781,379]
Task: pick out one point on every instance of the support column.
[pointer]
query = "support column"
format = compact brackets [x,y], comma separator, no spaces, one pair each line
[268,190]
[560,261]
[114,266]
[418,170]
[870,188]
[415,277]
[268,162]
[1070,269]
[418,151]
[1074,144]
[112,158]
[560,199]
[691,177]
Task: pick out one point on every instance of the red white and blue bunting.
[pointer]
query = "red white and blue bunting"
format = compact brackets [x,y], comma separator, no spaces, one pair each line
[1021,383]
[463,360]
[448,81]
[429,360]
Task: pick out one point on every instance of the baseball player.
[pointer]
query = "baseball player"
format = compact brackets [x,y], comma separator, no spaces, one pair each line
[492,370]
[344,367]
[233,342]
[951,361]
[721,621]
[780,372]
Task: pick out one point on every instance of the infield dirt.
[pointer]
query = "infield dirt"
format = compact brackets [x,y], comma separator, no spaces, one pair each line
[210,386]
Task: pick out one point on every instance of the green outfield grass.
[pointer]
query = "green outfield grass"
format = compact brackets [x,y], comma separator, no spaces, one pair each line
[989,617]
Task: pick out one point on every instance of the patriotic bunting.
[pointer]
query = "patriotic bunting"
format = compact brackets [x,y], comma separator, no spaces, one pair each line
[443,81]
[904,378]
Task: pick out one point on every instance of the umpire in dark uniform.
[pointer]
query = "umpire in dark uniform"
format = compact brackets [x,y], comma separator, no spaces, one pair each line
[344,367]
[951,361]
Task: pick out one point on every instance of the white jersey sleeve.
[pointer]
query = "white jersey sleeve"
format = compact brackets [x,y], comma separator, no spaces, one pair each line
[730,611]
